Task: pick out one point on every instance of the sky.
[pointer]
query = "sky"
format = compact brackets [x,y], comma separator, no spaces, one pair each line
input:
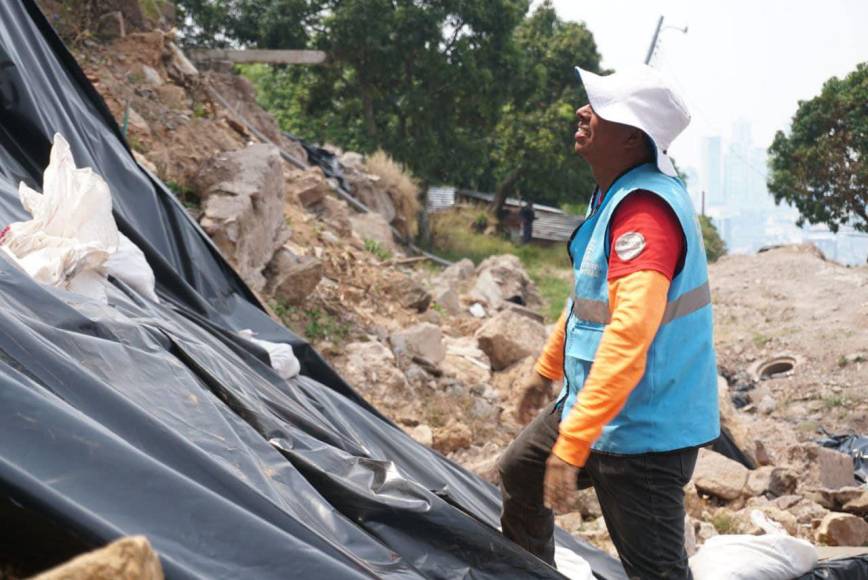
[740,59]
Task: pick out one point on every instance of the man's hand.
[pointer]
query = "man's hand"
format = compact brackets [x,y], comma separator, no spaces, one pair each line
[559,487]
[535,393]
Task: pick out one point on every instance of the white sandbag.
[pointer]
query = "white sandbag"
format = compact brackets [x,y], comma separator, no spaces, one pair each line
[281,356]
[129,265]
[73,242]
[72,231]
[774,556]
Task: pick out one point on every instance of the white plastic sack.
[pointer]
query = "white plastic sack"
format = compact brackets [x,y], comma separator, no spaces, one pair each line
[129,265]
[572,565]
[72,242]
[281,356]
[774,556]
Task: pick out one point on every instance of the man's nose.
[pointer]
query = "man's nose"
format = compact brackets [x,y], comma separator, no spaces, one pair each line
[582,112]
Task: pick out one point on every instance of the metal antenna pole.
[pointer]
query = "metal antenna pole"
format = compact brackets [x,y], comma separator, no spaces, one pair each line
[654,41]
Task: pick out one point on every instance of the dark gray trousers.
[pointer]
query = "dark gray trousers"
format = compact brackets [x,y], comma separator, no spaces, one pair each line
[641,497]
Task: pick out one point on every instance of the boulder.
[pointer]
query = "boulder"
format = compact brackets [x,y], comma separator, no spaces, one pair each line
[371,367]
[242,211]
[838,529]
[510,337]
[336,213]
[501,279]
[447,297]
[454,436]
[130,558]
[835,499]
[309,188]
[465,361]
[424,340]
[292,278]
[455,274]
[110,26]
[372,226]
[366,188]
[150,76]
[858,505]
[409,293]
[179,66]
[759,480]
[719,476]
[822,467]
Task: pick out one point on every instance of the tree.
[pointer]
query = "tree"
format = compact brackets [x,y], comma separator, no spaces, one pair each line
[264,24]
[715,247]
[533,150]
[821,166]
[474,94]
[424,81]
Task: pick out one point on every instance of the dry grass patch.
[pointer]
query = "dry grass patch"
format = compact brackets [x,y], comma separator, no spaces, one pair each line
[402,188]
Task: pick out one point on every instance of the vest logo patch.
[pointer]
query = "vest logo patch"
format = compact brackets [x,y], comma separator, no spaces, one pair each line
[628,246]
[589,268]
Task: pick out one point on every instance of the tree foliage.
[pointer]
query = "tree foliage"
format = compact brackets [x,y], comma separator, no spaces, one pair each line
[259,23]
[821,166]
[715,247]
[474,94]
[533,150]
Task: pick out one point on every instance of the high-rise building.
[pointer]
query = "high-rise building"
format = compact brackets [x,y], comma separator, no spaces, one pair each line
[712,181]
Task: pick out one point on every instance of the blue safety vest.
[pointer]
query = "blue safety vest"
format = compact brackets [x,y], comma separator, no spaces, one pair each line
[674,406]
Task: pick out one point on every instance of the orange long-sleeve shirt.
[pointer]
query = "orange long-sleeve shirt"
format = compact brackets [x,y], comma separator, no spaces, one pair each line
[637,303]
[637,297]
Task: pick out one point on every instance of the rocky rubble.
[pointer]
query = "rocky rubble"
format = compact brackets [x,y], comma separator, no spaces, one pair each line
[440,352]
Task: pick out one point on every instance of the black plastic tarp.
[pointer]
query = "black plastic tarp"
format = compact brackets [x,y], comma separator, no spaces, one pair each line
[855,568]
[856,446]
[158,419]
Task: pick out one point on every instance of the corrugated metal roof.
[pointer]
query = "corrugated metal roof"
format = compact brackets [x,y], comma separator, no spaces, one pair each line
[551,223]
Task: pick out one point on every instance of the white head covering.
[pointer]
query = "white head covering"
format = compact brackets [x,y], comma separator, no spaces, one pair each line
[639,96]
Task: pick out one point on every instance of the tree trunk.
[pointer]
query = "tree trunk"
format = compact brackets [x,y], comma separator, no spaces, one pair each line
[503,190]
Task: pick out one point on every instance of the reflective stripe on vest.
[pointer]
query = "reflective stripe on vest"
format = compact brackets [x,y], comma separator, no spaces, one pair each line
[597,311]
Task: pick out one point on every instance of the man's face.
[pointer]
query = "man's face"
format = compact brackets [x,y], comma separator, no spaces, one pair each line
[596,136]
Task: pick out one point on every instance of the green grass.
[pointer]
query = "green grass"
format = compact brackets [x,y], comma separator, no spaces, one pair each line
[323,326]
[379,251]
[185,195]
[724,523]
[833,401]
[454,238]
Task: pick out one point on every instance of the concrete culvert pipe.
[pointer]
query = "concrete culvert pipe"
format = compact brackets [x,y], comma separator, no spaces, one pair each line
[773,367]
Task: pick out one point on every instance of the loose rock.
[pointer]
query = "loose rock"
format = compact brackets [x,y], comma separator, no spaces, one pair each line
[842,530]
[129,558]
[243,207]
[292,278]
[424,340]
[719,476]
[502,279]
[823,467]
[858,505]
[510,337]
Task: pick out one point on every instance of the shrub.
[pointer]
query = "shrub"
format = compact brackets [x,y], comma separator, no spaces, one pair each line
[402,189]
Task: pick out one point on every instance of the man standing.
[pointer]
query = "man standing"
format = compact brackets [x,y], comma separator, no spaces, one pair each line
[634,345]
[527,216]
